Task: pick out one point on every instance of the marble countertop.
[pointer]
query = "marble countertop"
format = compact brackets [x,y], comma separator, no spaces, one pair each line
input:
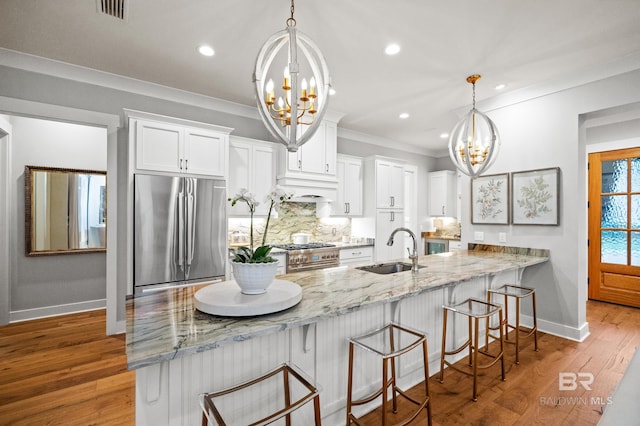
[165,325]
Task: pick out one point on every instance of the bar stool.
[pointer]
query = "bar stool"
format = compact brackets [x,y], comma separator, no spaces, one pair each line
[475,310]
[295,394]
[389,342]
[518,293]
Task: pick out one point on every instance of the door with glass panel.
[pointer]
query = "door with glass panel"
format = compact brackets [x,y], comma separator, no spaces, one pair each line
[614,226]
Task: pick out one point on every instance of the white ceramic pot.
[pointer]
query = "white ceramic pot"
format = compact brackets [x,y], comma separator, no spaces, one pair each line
[300,238]
[254,278]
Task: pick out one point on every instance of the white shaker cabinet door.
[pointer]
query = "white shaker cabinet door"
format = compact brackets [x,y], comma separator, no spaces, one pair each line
[159,147]
[205,153]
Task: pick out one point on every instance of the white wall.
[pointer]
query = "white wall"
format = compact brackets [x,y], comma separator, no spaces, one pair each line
[541,133]
[40,285]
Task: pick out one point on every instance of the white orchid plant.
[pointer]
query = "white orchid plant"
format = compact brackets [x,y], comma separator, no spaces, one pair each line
[275,198]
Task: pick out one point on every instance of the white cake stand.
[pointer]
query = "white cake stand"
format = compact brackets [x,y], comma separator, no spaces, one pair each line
[225,299]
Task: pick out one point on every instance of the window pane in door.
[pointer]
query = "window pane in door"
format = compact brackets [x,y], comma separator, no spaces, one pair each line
[614,247]
[635,249]
[635,174]
[635,211]
[614,176]
[614,211]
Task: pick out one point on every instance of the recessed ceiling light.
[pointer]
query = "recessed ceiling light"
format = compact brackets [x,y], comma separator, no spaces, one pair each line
[404,115]
[500,86]
[444,135]
[205,50]
[332,91]
[392,49]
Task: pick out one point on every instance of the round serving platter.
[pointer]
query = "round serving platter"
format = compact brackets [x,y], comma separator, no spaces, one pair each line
[226,299]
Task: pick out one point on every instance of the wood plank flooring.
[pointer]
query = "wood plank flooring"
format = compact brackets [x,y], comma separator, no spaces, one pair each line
[64,370]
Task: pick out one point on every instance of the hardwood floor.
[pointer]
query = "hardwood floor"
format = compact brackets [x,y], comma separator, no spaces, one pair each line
[64,370]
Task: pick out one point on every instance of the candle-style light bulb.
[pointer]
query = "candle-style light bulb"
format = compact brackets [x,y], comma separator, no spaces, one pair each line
[312,87]
[286,85]
[303,86]
[270,96]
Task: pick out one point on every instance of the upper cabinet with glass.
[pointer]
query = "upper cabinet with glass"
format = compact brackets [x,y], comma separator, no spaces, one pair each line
[65,211]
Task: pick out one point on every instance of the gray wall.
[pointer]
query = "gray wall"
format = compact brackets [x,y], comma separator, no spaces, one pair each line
[540,133]
[46,281]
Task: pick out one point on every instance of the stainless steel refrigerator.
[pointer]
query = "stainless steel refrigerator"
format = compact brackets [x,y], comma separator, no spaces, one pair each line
[179,231]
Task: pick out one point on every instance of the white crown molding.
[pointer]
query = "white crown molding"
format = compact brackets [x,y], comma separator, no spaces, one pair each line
[387,143]
[51,67]
[37,64]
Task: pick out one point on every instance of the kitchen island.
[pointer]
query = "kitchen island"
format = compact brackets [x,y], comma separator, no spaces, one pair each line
[179,352]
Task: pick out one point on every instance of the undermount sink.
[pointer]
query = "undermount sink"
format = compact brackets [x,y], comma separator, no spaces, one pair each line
[387,268]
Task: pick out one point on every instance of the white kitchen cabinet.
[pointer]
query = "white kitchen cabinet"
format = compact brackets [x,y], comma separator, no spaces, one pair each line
[443,193]
[389,176]
[165,146]
[318,155]
[386,222]
[282,258]
[455,245]
[252,167]
[353,255]
[350,180]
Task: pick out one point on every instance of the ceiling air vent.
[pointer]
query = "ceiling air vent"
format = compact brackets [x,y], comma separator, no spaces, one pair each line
[115,8]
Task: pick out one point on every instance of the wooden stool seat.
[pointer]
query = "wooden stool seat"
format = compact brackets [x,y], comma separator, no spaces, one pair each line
[518,293]
[389,342]
[475,310]
[296,392]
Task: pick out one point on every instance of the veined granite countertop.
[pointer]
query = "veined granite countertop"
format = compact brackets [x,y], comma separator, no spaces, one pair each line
[165,325]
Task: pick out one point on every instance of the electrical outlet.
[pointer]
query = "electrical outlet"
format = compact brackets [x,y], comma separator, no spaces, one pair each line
[478,236]
[502,237]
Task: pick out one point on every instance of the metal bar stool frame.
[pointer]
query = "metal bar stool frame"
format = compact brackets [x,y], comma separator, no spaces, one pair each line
[388,359]
[472,340]
[523,292]
[287,371]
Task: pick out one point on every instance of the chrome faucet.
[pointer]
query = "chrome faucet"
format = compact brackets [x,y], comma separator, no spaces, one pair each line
[414,256]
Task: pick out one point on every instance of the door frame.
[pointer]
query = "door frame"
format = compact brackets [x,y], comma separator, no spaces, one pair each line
[5,243]
[13,106]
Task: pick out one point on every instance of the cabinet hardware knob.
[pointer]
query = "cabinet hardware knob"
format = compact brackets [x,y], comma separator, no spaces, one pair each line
[186,164]
[180,164]
[326,167]
[393,201]
[300,164]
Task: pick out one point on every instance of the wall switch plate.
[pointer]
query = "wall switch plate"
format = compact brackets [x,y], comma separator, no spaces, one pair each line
[502,237]
[478,236]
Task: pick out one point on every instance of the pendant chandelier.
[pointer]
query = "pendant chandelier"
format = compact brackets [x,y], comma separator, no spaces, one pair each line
[474,141]
[295,114]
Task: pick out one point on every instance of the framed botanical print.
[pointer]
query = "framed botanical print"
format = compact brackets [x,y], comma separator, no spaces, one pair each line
[490,199]
[535,197]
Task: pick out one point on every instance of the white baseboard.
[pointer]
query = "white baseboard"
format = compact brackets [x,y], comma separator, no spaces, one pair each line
[121,327]
[560,330]
[52,311]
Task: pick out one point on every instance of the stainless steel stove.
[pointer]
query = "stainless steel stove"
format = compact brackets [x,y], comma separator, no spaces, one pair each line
[305,257]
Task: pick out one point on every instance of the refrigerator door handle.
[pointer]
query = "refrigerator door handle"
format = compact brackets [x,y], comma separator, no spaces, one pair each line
[180,230]
[190,210]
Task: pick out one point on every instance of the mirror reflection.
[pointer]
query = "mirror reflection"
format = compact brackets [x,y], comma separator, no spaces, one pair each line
[65,210]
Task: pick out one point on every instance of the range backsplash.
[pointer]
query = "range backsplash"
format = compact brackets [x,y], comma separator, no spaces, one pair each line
[292,218]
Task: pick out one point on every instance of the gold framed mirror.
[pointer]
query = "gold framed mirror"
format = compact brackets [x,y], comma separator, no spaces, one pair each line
[65,211]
